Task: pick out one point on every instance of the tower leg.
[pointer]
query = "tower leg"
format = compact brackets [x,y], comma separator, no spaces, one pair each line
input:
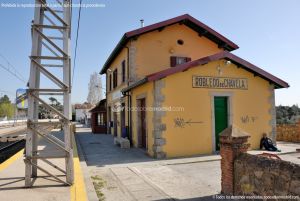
[60,56]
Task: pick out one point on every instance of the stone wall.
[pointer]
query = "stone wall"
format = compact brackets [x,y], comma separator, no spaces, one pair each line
[288,132]
[252,175]
[258,175]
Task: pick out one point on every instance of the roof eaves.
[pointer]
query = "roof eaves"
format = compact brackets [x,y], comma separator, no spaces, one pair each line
[222,55]
[232,45]
[279,83]
[134,85]
[229,45]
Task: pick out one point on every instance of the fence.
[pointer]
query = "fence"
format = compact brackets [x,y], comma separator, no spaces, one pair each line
[288,132]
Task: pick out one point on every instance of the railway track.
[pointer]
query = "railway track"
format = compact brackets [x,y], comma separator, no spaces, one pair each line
[12,140]
[8,149]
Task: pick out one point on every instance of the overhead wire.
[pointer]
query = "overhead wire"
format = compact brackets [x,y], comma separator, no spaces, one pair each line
[8,92]
[11,69]
[76,41]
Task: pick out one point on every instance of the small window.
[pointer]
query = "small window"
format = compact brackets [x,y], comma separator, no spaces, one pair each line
[100,119]
[110,82]
[123,71]
[115,78]
[180,42]
[175,61]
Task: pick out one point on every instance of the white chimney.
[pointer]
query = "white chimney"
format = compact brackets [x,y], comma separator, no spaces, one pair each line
[142,23]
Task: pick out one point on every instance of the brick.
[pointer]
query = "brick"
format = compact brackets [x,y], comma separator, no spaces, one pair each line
[233,142]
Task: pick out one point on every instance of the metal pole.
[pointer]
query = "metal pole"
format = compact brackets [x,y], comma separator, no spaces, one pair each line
[36,93]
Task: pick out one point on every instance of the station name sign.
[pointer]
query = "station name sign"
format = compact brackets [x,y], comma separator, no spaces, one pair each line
[220,82]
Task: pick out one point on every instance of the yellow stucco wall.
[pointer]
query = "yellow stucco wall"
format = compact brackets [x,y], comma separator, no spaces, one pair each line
[143,92]
[197,138]
[151,53]
[117,64]
[154,49]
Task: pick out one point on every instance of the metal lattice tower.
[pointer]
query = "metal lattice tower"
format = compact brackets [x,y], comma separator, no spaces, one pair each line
[51,30]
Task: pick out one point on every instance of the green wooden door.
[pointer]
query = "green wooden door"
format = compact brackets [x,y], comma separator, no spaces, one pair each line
[221,117]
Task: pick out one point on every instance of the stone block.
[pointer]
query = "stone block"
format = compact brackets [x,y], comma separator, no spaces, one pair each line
[157,134]
[160,155]
[244,179]
[268,180]
[160,114]
[296,173]
[157,149]
[295,187]
[160,127]
[258,174]
[156,121]
[123,142]
[281,184]
[159,141]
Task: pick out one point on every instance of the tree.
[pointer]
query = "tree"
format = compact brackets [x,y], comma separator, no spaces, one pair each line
[45,113]
[95,89]
[55,103]
[7,110]
[52,100]
[287,114]
[4,99]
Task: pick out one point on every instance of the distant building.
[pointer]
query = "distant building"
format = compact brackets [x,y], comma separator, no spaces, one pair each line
[182,86]
[98,118]
[82,113]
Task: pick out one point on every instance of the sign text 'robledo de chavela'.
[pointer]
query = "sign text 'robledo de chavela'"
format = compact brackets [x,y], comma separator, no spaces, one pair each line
[220,82]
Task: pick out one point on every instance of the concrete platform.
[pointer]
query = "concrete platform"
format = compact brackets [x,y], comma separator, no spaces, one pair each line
[12,182]
[129,174]
[12,130]
[285,147]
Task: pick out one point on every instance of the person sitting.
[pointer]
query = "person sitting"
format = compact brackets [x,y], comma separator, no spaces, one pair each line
[267,143]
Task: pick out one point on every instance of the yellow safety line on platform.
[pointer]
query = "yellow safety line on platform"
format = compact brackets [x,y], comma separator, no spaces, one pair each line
[78,192]
[12,159]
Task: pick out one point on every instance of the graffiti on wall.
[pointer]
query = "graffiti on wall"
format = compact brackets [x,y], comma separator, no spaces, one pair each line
[247,119]
[180,122]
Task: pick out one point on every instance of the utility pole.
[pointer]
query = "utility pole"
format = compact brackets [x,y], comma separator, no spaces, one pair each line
[49,51]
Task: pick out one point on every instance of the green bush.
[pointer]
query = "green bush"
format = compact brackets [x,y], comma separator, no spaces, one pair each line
[287,114]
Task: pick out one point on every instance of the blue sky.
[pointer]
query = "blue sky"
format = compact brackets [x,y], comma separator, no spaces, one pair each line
[267,32]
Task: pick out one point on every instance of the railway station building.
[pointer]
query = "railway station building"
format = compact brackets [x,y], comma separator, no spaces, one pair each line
[173,86]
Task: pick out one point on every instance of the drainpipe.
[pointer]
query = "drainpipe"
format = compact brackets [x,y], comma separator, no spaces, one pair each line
[129,114]
[130,128]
